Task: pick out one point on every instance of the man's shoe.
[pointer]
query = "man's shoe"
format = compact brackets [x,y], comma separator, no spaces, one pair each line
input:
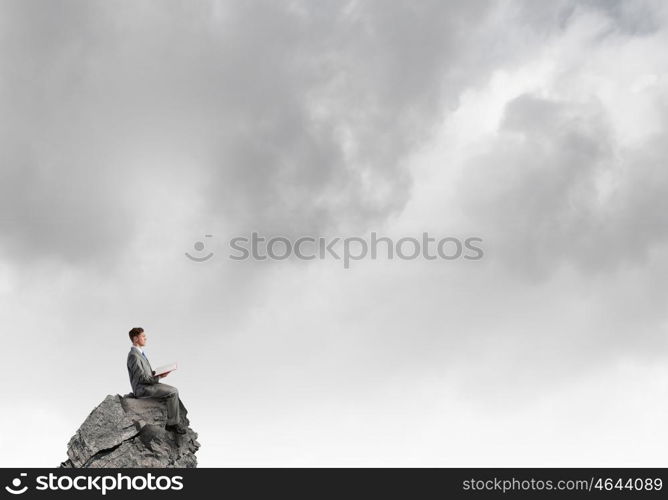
[178,428]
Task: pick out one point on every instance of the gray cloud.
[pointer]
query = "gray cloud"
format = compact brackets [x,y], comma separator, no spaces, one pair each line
[327,102]
[629,19]
[283,116]
[542,199]
[541,170]
[639,18]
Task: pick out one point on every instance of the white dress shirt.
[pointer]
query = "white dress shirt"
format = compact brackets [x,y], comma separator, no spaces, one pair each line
[140,350]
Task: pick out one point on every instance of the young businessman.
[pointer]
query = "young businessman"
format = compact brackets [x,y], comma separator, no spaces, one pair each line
[145,384]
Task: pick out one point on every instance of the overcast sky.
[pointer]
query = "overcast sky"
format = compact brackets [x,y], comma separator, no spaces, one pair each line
[129,130]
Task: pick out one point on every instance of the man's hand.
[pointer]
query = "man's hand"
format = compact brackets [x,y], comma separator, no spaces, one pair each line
[163,375]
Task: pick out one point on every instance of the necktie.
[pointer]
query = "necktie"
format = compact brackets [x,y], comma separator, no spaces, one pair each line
[144,354]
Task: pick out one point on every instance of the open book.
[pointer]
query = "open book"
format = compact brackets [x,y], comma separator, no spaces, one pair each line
[164,369]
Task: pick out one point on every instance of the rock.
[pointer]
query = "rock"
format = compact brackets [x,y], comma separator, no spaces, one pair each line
[124,431]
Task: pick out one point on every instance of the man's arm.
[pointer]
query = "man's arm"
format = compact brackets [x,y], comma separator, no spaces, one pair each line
[138,372]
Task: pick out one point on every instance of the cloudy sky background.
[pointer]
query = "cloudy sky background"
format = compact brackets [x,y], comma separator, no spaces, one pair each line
[129,130]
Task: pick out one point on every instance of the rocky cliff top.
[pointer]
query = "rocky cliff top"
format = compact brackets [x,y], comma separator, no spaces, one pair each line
[124,431]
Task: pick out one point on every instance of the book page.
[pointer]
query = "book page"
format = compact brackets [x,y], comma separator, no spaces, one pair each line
[164,369]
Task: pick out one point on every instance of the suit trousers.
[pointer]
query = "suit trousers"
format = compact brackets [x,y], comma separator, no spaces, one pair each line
[166,393]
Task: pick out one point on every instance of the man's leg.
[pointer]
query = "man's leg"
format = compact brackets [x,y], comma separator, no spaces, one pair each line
[173,414]
[171,396]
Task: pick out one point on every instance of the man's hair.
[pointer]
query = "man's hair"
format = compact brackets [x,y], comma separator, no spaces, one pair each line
[135,332]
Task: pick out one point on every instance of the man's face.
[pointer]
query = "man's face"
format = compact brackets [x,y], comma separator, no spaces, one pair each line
[140,340]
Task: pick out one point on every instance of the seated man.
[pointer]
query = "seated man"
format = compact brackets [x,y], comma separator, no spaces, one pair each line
[145,384]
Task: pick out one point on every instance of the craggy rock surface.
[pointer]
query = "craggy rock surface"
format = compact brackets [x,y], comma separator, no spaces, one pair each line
[124,431]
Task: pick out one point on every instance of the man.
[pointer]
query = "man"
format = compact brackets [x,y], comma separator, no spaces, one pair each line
[145,384]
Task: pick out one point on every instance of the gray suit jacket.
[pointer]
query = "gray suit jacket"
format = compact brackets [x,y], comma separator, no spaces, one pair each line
[140,371]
